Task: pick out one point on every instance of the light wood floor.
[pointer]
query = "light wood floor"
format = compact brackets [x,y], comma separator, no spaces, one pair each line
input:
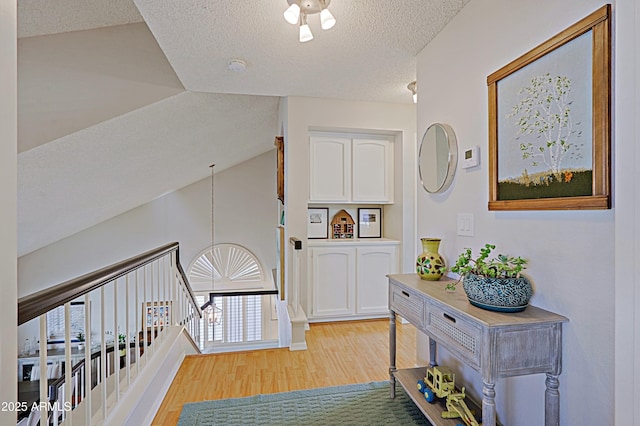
[338,353]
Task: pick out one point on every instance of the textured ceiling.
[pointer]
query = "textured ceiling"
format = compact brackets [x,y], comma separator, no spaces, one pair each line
[122,101]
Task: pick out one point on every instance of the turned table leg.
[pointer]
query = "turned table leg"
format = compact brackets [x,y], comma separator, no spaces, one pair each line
[488,404]
[392,353]
[552,401]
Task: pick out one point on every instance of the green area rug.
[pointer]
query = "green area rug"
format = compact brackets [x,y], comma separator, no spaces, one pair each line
[361,404]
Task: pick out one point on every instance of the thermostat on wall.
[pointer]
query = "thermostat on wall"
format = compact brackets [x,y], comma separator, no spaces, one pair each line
[471,157]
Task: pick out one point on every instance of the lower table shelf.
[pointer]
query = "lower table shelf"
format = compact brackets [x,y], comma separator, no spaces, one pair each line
[408,379]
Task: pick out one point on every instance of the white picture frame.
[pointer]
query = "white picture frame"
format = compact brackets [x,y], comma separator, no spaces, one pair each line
[369,223]
[318,222]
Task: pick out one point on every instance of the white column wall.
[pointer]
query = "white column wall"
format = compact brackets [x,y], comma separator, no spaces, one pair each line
[8,207]
[627,211]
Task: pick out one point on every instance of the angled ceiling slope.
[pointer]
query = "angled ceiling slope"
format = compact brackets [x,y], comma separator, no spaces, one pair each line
[74,80]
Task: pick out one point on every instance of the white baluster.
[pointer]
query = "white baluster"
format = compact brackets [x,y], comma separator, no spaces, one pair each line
[167,286]
[103,356]
[67,362]
[145,316]
[44,394]
[159,301]
[153,313]
[139,323]
[127,333]
[116,340]
[172,285]
[87,359]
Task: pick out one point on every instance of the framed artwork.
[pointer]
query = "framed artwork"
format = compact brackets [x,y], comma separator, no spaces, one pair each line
[157,314]
[279,143]
[550,123]
[317,222]
[369,223]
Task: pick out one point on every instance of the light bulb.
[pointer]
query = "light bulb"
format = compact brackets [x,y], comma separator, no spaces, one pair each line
[305,33]
[413,87]
[292,14]
[327,20]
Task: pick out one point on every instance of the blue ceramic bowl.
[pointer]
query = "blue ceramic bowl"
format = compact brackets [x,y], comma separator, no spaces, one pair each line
[498,294]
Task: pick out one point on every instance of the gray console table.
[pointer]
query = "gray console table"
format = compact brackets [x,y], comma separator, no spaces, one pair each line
[495,344]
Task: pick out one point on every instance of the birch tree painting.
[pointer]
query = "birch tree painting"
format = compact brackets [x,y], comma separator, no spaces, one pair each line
[544,112]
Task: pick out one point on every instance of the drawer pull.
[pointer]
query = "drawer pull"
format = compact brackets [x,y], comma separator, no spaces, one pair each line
[405,294]
[449,317]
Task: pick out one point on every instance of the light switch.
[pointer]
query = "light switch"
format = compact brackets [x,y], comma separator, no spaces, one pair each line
[465,224]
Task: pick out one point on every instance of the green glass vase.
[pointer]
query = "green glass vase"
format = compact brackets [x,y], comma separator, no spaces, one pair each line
[430,265]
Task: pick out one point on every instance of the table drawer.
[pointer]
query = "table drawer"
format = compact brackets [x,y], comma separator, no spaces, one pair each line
[460,335]
[408,305]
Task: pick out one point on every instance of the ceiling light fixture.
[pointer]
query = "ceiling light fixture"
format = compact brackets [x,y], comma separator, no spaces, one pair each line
[413,87]
[297,13]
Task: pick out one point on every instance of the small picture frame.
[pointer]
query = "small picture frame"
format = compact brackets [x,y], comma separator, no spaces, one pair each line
[156,315]
[369,223]
[317,222]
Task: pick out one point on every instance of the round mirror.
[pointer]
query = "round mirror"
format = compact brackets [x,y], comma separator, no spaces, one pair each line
[438,158]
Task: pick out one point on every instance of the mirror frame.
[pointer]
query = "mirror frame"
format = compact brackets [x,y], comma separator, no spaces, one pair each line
[452,157]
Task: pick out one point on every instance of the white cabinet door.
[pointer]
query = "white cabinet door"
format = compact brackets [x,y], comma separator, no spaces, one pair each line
[372,171]
[330,169]
[372,286]
[333,277]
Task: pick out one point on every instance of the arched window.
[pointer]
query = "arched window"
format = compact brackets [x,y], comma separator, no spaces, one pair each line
[226,267]
[229,319]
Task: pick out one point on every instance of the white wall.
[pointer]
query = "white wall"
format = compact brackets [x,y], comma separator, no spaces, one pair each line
[245,214]
[300,115]
[8,206]
[571,253]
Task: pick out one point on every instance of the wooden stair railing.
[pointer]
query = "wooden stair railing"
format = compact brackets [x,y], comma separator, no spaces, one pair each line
[34,305]
[156,293]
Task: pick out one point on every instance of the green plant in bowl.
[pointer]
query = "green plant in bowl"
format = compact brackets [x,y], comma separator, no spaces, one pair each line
[502,266]
[493,283]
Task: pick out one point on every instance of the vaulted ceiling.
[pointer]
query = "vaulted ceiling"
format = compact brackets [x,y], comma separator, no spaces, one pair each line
[122,101]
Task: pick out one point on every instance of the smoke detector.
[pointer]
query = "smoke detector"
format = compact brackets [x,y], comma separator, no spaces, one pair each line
[237,65]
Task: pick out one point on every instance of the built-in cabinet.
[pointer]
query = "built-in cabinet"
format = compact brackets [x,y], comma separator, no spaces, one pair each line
[348,279]
[350,169]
